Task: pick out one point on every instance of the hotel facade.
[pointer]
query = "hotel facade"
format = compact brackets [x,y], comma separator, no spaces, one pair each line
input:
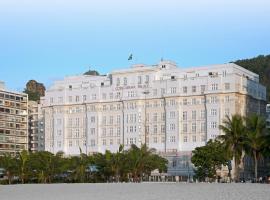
[169,108]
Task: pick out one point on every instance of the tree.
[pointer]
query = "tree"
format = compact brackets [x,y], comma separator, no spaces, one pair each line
[208,159]
[233,139]
[8,163]
[79,166]
[22,165]
[255,139]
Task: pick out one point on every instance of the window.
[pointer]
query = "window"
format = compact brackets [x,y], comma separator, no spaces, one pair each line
[172,114]
[155,129]
[185,89]
[213,125]
[202,114]
[227,86]
[203,127]
[70,99]
[172,127]
[118,131]
[227,112]
[193,89]
[185,115]
[184,101]
[172,102]
[163,116]
[162,91]
[70,143]
[92,142]
[193,101]
[194,114]
[162,129]
[213,112]
[185,138]
[77,122]
[59,132]
[92,131]
[227,98]
[111,95]
[155,139]
[172,138]
[94,96]
[111,120]
[104,132]
[84,97]
[77,133]
[155,117]
[117,81]
[51,100]
[173,90]
[139,80]
[92,119]
[111,131]
[214,86]
[213,99]
[202,88]
[185,128]
[118,119]
[125,81]
[194,138]
[77,99]
[147,79]
[104,142]
[193,127]
[111,141]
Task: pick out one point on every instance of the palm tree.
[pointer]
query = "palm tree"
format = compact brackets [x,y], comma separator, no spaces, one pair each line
[139,161]
[79,165]
[22,165]
[234,130]
[255,140]
[8,163]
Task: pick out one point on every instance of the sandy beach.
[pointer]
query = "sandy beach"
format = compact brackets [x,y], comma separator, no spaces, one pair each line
[130,191]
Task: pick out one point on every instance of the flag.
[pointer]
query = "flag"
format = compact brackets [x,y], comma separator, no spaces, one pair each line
[130,57]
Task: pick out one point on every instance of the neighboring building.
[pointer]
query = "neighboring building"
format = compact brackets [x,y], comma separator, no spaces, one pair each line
[173,110]
[35,127]
[13,121]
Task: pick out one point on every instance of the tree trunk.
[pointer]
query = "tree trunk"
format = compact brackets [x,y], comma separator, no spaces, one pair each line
[255,165]
[235,170]
[9,177]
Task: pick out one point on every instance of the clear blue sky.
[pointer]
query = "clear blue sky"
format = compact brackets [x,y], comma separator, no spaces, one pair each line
[49,39]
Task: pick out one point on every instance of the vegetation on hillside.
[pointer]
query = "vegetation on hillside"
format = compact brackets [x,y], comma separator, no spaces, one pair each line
[92,72]
[35,90]
[259,65]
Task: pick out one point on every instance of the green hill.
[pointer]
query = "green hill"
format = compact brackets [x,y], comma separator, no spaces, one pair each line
[259,65]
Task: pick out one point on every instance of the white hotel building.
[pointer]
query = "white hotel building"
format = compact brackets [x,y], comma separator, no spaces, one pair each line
[172,109]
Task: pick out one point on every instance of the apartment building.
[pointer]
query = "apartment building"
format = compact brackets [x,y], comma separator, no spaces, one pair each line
[35,127]
[13,121]
[169,108]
